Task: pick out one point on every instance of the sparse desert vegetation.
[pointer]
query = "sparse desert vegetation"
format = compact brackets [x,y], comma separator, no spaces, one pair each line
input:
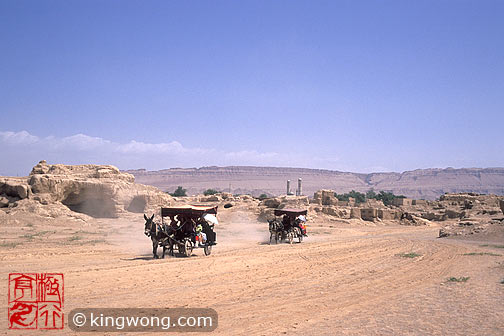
[483,253]
[493,245]
[409,255]
[459,279]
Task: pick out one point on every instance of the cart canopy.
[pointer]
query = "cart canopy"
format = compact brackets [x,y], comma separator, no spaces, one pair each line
[189,210]
[290,212]
[210,219]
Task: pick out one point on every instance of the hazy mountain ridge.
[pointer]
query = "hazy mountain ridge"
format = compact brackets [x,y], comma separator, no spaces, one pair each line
[420,183]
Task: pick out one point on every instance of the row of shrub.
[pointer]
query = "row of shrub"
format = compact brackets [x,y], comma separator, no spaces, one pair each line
[386,197]
[181,192]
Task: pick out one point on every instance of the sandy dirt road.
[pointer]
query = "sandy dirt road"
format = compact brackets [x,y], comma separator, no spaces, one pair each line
[341,280]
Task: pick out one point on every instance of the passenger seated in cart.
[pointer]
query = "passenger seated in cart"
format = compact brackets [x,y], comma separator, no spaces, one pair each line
[190,226]
[208,222]
[201,236]
[301,223]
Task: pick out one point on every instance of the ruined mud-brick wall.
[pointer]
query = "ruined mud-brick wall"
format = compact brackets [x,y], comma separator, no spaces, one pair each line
[369,214]
[325,197]
[373,214]
[465,198]
[325,202]
[402,201]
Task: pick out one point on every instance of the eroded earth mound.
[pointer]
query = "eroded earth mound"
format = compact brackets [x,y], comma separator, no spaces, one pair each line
[94,190]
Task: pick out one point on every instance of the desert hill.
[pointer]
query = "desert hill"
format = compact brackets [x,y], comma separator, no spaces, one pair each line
[94,190]
[420,183]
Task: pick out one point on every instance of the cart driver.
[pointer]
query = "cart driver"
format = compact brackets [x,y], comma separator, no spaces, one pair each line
[286,221]
[174,225]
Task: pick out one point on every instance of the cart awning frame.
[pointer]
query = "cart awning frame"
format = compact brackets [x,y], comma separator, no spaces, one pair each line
[290,212]
[189,210]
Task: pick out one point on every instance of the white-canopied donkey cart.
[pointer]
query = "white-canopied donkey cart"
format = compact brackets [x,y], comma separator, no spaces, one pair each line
[291,226]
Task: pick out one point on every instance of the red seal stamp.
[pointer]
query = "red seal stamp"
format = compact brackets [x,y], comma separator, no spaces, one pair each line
[35,301]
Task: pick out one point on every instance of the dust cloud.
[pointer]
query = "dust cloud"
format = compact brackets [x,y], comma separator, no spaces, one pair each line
[238,225]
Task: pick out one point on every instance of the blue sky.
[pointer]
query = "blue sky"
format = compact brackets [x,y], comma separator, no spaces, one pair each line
[347,85]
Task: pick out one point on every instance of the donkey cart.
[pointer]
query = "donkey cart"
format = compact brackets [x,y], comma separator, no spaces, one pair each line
[290,227]
[189,227]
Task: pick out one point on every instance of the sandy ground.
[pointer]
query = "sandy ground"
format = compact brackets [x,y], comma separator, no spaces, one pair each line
[342,280]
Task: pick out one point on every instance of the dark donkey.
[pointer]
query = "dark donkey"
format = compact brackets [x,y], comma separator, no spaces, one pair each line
[275,228]
[156,234]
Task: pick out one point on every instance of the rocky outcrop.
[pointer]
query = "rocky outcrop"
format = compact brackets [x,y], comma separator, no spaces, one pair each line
[271,202]
[94,190]
[434,216]
[13,189]
[293,202]
[470,213]
[335,212]
[4,202]
[210,198]
[468,227]
[411,219]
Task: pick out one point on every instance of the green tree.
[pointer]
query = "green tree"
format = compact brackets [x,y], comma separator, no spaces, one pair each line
[263,196]
[209,192]
[358,196]
[341,197]
[371,194]
[387,197]
[179,192]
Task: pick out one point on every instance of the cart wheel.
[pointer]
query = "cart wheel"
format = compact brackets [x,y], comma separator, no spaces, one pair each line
[290,237]
[188,247]
[207,249]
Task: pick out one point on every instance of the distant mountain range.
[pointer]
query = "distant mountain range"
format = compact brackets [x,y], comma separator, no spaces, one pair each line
[420,183]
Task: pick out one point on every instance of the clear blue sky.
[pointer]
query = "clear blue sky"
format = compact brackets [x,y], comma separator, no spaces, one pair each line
[346,85]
